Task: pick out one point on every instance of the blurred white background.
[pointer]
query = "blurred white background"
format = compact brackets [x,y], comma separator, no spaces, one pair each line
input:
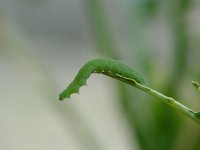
[42,46]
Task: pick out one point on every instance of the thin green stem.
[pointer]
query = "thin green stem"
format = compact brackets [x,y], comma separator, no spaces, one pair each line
[170,101]
[196,85]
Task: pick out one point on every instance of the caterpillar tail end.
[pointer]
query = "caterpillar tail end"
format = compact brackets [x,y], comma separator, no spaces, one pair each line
[62,96]
[71,89]
[66,94]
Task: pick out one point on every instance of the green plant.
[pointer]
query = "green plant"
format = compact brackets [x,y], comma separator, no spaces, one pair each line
[120,71]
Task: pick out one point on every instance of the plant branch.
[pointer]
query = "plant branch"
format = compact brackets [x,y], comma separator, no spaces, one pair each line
[122,72]
[170,101]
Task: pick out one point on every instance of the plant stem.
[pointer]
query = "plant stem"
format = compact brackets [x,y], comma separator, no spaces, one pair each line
[170,101]
[196,85]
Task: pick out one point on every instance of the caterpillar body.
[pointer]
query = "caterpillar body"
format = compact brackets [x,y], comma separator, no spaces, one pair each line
[106,66]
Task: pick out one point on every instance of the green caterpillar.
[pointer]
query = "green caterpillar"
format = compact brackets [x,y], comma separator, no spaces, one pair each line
[122,72]
[106,66]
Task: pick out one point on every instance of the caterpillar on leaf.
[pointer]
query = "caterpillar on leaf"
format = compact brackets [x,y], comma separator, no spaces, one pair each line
[106,66]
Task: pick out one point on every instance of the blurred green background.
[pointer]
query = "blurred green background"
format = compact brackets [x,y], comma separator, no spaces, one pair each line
[43,43]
